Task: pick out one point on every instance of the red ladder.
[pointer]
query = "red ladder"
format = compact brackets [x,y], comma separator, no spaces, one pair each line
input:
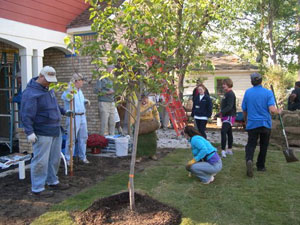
[176,112]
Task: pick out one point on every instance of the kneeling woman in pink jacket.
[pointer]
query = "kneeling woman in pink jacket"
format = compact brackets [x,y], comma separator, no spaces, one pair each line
[206,162]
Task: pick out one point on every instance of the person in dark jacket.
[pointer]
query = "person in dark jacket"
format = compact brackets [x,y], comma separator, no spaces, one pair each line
[294,98]
[202,110]
[228,114]
[196,92]
[41,116]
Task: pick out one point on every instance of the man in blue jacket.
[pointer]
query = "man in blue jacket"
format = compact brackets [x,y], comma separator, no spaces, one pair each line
[41,117]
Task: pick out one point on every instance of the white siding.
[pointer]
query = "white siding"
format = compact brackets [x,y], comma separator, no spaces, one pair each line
[240,78]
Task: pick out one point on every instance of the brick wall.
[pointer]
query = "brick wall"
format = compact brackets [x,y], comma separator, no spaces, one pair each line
[65,67]
[24,146]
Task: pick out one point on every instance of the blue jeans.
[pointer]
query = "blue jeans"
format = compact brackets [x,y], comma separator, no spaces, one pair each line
[45,162]
[204,170]
[81,136]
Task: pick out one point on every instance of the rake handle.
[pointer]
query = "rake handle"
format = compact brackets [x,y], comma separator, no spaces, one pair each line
[281,122]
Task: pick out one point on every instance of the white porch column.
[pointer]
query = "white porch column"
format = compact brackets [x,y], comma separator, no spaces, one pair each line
[37,61]
[26,66]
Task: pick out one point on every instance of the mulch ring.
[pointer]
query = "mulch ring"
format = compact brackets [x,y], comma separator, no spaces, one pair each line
[115,210]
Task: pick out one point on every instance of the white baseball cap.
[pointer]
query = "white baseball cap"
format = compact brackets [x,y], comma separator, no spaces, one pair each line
[49,73]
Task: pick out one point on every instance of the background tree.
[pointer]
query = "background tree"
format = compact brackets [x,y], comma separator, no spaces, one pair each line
[265,33]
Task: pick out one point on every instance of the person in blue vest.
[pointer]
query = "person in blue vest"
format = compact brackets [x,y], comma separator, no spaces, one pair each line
[41,116]
[80,130]
[206,162]
[202,109]
[258,104]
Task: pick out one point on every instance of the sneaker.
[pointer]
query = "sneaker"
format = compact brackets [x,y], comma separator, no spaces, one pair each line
[139,159]
[229,152]
[85,161]
[210,181]
[249,166]
[223,153]
[154,157]
[59,186]
[43,194]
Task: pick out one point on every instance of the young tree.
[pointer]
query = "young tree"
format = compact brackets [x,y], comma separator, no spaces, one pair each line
[152,42]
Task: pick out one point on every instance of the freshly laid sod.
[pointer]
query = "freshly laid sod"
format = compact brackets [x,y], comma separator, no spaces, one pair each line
[270,197]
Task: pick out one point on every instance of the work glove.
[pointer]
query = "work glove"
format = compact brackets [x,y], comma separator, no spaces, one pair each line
[190,163]
[86,101]
[32,138]
[69,113]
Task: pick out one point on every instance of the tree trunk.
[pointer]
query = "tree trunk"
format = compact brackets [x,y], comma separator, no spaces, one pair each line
[273,55]
[134,150]
[298,32]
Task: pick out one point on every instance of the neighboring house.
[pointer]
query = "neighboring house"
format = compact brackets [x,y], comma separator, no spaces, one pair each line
[226,66]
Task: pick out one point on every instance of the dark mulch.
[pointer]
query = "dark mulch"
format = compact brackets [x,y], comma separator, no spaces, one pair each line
[115,210]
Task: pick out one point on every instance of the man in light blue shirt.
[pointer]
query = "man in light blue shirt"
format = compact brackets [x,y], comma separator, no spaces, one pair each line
[257,105]
[80,126]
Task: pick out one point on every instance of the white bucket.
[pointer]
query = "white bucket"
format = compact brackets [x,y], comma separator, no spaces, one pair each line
[121,146]
[219,122]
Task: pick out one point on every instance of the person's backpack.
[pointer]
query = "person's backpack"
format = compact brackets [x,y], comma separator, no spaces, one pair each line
[96,140]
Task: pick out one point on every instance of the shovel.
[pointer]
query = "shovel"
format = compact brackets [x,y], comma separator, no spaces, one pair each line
[288,152]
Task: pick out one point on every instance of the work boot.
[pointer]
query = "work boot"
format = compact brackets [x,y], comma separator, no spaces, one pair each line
[261,169]
[249,166]
[59,186]
[43,194]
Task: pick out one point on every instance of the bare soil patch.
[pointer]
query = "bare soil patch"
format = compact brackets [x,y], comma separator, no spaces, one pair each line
[19,207]
[115,210]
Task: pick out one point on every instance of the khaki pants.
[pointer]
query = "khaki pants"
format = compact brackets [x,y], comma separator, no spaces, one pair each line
[107,117]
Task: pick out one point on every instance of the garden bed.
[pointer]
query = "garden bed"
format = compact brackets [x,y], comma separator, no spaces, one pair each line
[115,210]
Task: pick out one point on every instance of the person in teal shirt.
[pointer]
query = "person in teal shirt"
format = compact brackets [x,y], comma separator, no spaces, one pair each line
[206,162]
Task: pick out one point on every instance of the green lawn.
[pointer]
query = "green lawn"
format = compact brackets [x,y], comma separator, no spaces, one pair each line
[272,197]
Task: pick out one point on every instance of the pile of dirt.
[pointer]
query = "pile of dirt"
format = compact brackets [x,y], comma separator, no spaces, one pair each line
[115,210]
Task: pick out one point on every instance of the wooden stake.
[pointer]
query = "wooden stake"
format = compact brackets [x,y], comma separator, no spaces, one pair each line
[71,139]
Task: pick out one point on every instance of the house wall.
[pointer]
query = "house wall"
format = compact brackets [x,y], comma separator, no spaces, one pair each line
[50,14]
[241,82]
[65,66]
